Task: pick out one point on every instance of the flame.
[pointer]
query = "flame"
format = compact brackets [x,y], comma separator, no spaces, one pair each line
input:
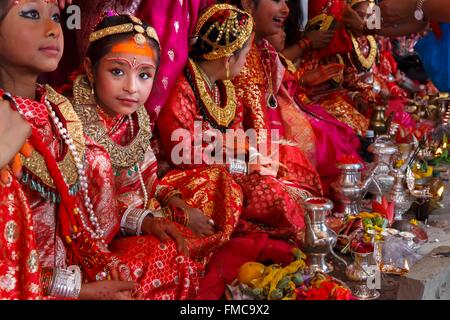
[440,191]
[406,265]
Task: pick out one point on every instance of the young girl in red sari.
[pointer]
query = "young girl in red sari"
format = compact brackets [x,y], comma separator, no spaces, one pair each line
[57,226]
[119,123]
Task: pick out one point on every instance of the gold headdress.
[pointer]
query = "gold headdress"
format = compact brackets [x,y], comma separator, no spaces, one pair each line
[227,26]
[136,25]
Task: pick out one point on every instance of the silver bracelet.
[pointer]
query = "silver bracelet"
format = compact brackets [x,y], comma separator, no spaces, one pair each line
[238,166]
[66,283]
[132,219]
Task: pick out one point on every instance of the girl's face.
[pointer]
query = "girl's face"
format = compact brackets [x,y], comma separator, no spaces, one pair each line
[269,16]
[123,79]
[31,36]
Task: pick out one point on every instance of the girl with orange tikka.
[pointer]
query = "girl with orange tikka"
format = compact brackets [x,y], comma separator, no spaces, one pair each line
[109,99]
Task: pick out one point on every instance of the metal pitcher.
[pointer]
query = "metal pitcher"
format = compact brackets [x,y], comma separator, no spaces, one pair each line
[348,189]
[318,239]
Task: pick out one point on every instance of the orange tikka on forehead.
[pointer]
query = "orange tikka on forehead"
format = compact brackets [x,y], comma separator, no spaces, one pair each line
[131,47]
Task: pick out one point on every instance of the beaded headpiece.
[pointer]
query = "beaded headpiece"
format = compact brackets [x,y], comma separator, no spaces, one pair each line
[227,24]
[135,26]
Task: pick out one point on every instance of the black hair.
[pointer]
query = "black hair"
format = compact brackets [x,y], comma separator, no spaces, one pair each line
[202,47]
[4,5]
[98,49]
[238,3]
[293,27]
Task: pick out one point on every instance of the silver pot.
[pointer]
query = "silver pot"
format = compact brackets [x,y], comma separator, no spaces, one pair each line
[360,273]
[318,238]
[348,189]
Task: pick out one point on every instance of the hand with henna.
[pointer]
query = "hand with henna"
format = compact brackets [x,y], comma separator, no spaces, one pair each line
[320,75]
[165,230]
[108,290]
[353,20]
[198,222]
[320,38]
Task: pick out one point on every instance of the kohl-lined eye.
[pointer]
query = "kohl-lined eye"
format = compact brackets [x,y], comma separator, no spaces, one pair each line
[117,72]
[30,14]
[145,75]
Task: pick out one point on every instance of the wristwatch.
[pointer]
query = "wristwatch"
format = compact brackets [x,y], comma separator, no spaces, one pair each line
[418,13]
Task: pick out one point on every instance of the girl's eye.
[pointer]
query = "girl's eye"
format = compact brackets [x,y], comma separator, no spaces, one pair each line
[30,14]
[56,17]
[117,72]
[145,75]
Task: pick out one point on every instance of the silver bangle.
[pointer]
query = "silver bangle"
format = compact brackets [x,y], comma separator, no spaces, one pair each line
[132,219]
[66,283]
[238,166]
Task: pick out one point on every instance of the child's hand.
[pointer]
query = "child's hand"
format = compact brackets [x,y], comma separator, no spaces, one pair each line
[14,131]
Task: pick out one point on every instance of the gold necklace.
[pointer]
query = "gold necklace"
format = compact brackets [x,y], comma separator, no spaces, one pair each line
[36,163]
[370,60]
[121,156]
[212,86]
[222,116]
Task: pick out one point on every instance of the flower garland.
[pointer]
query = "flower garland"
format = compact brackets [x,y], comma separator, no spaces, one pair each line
[368,62]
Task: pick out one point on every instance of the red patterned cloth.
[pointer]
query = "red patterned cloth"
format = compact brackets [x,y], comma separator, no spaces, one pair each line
[19,260]
[161,274]
[182,111]
[218,196]
[213,192]
[33,240]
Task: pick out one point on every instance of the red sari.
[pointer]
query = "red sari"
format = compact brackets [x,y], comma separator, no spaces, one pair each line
[130,137]
[261,76]
[19,267]
[161,274]
[271,204]
[271,207]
